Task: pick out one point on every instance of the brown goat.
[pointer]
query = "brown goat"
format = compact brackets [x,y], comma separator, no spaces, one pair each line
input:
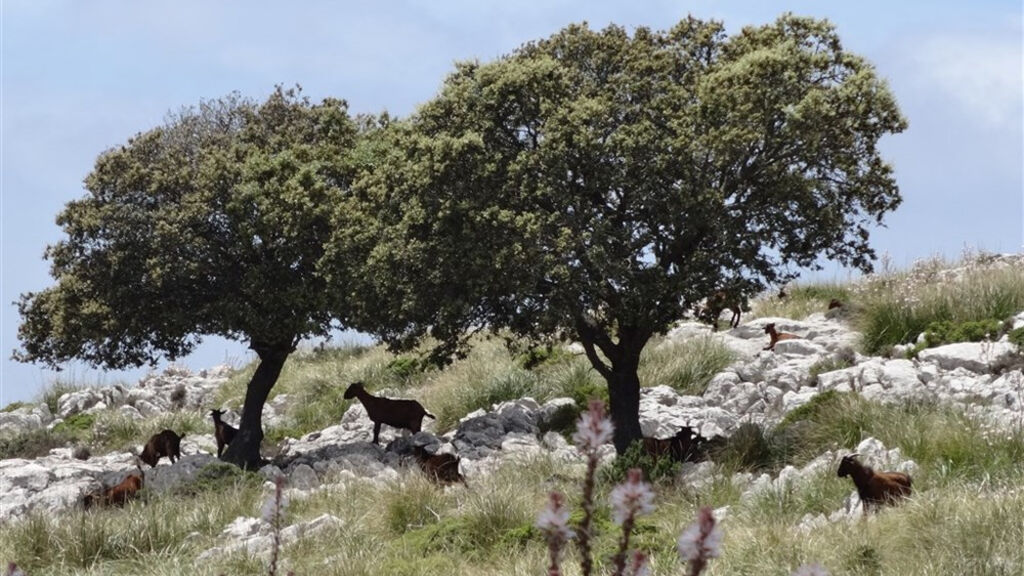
[166,443]
[685,446]
[222,431]
[776,336]
[115,495]
[441,468]
[406,414]
[874,488]
[719,302]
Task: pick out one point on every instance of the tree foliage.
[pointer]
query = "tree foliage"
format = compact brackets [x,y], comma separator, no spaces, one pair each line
[596,184]
[211,224]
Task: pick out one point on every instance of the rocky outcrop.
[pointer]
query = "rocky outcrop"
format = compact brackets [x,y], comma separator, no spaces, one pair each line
[760,386]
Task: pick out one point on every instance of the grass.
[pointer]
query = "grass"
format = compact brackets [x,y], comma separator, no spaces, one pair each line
[687,366]
[802,300]
[898,307]
[963,519]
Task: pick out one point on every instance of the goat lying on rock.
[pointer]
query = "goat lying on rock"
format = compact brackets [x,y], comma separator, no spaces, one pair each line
[441,468]
[166,443]
[115,495]
[874,488]
[406,414]
[775,336]
[222,431]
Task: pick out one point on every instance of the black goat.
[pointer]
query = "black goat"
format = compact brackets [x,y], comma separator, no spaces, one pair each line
[406,414]
[441,468]
[874,488]
[222,431]
[166,443]
[686,446]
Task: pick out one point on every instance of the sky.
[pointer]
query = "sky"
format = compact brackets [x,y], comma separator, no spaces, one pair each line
[77,78]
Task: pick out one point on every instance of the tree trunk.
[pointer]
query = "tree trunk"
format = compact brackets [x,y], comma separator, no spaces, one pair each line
[624,397]
[244,450]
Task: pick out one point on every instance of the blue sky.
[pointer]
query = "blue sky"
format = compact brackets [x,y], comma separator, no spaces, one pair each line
[80,77]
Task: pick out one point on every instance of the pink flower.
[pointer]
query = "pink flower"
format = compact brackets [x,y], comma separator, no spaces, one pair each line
[554,519]
[702,539]
[594,429]
[638,565]
[632,498]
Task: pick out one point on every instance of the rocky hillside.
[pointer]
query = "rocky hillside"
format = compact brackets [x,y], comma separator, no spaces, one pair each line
[982,380]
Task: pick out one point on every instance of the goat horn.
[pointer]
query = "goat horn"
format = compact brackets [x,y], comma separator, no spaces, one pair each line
[853,455]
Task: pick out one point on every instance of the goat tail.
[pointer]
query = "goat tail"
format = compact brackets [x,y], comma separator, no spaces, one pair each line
[428,414]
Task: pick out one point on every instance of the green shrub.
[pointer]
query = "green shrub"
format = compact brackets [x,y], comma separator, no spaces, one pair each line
[542,355]
[896,308]
[76,425]
[405,367]
[14,406]
[948,332]
[655,469]
[32,444]
[1017,336]
[753,448]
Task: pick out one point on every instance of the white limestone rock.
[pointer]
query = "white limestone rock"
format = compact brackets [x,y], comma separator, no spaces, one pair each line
[977,357]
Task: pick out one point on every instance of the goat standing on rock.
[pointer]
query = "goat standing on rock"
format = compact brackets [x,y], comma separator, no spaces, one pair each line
[222,431]
[166,443]
[718,303]
[874,488]
[406,414]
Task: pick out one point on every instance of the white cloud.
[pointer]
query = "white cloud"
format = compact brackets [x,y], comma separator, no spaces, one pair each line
[981,74]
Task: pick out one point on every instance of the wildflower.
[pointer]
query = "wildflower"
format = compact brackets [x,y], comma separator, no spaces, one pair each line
[274,507]
[594,429]
[811,570]
[554,520]
[632,498]
[638,565]
[700,541]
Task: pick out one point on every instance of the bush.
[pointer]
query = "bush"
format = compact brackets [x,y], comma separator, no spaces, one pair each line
[542,355]
[753,448]
[32,444]
[947,332]
[1017,337]
[687,366]
[76,425]
[14,406]
[655,469]
[896,308]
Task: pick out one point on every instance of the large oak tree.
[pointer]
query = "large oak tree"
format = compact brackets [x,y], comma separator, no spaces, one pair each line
[211,224]
[596,184]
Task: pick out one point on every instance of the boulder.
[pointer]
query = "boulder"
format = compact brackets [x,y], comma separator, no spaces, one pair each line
[977,357]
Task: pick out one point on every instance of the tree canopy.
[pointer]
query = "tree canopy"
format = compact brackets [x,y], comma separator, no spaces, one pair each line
[211,224]
[596,184]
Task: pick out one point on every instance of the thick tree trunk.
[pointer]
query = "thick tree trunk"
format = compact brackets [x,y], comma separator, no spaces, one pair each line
[244,450]
[624,397]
